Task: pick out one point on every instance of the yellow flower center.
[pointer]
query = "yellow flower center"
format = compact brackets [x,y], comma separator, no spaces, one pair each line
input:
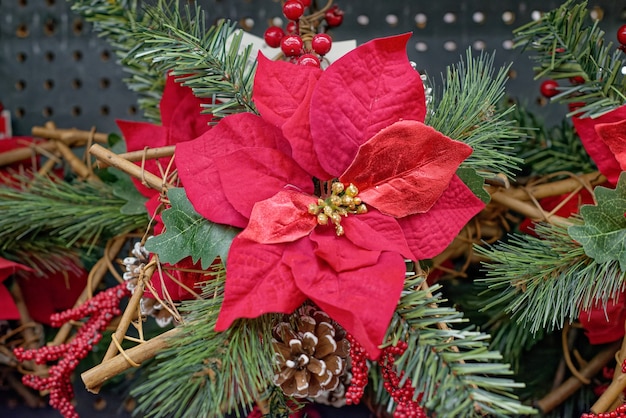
[341,201]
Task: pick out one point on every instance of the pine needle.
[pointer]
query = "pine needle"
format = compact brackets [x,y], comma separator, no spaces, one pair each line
[453,368]
[209,373]
[569,45]
[544,282]
[466,111]
[78,213]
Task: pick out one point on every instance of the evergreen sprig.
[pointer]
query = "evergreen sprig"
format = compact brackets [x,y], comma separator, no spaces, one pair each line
[119,22]
[465,110]
[568,45]
[212,61]
[545,281]
[454,369]
[207,373]
[549,150]
[79,213]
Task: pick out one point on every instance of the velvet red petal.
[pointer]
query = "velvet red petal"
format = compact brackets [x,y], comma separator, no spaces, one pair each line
[614,136]
[8,309]
[197,168]
[362,300]
[428,234]
[597,149]
[363,92]
[404,168]
[258,281]
[377,232]
[340,253]
[283,217]
[280,88]
[251,175]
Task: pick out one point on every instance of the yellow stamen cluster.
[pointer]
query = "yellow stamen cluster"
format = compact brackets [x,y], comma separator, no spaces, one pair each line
[342,201]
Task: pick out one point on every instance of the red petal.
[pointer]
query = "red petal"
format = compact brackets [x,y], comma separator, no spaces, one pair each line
[197,162]
[186,273]
[405,168]
[340,253]
[280,88]
[139,135]
[597,149]
[282,218]
[614,136]
[428,234]
[251,175]
[258,281]
[181,112]
[8,308]
[603,325]
[363,92]
[362,300]
[52,293]
[377,232]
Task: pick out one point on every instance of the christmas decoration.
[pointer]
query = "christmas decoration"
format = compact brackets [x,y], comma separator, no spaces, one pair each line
[340,231]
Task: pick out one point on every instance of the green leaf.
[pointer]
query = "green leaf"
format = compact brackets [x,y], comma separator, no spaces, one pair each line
[475,183]
[603,235]
[187,233]
[124,188]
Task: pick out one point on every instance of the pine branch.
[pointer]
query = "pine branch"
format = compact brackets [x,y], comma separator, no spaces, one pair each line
[569,46]
[550,150]
[209,60]
[44,254]
[209,373]
[447,363]
[79,213]
[466,111]
[119,22]
[546,281]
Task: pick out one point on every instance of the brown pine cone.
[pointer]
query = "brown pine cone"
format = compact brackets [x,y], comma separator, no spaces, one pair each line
[311,354]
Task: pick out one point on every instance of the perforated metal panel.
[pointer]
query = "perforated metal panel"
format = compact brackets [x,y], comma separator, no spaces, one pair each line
[53,67]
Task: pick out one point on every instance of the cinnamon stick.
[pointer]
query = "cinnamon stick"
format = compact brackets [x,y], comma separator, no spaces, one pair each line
[148,154]
[525,208]
[112,159]
[555,188]
[571,385]
[69,135]
[96,376]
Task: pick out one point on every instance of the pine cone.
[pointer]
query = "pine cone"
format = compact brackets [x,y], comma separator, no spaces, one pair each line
[311,354]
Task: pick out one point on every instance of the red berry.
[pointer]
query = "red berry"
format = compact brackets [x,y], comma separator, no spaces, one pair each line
[305,3]
[334,16]
[577,79]
[292,45]
[309,60]
[321,43]
[291,28]
[549,88]
[621,35]
[293,9]
[273,35]
[575,106]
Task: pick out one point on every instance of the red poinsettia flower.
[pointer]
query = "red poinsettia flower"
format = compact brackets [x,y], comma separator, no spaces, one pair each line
[604,324]
[181,121]
[604,138]
[8,309]
[356,130]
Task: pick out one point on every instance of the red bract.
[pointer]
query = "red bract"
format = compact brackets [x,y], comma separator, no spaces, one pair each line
[8,309]
[359,122]
[604,139]
[181,121]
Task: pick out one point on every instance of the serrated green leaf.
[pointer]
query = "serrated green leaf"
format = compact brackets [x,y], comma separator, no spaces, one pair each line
[603,235]
[124,188]
[475,183]
[188,234]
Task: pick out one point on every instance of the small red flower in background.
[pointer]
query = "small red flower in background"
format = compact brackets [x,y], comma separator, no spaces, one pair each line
[604,139]
[604,325]
[8,309]
[182,120]
[361,122]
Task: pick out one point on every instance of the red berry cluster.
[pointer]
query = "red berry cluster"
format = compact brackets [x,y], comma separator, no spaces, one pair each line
[100,309]
[359,370]
[296,41]
[401,394]
[620,412]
